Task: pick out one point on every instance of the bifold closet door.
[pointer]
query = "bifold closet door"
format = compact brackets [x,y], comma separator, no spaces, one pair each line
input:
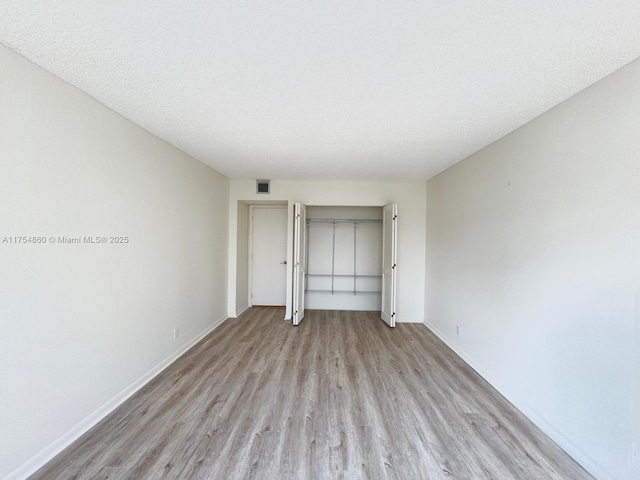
[389,240]
[299,260]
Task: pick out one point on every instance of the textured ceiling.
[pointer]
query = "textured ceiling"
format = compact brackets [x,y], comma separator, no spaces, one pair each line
[284,89]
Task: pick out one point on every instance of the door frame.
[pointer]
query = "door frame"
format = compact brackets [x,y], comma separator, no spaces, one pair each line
[253,207]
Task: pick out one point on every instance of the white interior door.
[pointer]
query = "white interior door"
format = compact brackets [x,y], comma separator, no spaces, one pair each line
[299,260]
[268,255]
[389,236]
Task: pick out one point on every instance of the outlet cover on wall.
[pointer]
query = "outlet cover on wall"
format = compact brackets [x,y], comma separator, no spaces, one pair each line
[457,330]
[176,332]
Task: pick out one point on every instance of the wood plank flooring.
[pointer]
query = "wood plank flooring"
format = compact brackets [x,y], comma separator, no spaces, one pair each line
[341,396]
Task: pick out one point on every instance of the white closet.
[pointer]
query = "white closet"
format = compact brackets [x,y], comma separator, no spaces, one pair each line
[344,258]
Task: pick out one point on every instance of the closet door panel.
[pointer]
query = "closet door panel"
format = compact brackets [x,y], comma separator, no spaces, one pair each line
[389,266]
[299,261]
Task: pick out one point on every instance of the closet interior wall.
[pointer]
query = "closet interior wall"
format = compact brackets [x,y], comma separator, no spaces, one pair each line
[344,262]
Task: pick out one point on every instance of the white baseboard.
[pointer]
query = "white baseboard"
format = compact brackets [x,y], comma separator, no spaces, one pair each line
[241,310]
[41,458]
[559,438]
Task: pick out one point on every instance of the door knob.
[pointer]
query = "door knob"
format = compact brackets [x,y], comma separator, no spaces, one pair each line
[283,263]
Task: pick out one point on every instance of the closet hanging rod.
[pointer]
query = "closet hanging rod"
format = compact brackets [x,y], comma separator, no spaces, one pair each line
[344,220]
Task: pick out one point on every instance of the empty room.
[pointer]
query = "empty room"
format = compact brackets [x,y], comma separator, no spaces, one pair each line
[361,240]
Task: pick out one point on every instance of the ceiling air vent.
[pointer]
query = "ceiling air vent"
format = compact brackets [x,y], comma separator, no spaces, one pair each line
[262,186]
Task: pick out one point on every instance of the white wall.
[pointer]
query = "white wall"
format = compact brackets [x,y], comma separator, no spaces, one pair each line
[533,249]
[83,325]
[410,197]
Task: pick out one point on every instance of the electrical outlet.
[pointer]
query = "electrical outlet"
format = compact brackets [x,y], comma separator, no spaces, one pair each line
[176,332]
[457,330]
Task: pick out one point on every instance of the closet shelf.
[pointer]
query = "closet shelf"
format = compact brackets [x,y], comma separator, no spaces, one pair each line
[343,220]
[350,292]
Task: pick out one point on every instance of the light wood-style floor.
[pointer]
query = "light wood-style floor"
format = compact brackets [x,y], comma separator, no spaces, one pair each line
[341,396]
